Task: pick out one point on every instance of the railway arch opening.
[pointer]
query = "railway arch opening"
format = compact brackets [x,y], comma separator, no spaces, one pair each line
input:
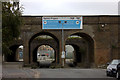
[15,54]
[44,49]
[83,53]
[44,55]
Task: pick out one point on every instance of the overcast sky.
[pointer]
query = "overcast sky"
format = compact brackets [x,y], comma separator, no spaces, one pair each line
[70,7]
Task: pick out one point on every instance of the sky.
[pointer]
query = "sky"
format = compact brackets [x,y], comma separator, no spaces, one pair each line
[70,7]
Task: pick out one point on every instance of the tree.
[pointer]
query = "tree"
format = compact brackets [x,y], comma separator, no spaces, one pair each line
[11,22]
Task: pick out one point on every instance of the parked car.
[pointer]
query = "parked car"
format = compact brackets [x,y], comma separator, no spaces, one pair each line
[112,68]
[118,72]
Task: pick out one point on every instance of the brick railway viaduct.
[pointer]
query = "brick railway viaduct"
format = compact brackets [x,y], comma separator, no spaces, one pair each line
[100,40]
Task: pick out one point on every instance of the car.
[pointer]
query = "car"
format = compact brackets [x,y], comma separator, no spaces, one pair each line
[112,68]
[118,72]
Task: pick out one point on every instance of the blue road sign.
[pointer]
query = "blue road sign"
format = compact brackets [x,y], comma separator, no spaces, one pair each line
[61,22]
[21,55]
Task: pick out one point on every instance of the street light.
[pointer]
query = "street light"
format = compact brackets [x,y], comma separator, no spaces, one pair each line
[63,52]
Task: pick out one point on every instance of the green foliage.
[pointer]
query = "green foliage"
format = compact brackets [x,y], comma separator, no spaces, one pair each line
[11,21]
[53,67]
[114,46]
[74,37]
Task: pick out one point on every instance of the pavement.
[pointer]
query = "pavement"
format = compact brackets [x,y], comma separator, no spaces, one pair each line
[0,70]
[12,71]
[71,73]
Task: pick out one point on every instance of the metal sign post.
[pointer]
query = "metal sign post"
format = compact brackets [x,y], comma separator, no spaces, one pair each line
[63,57]
[63,52]
[63,45]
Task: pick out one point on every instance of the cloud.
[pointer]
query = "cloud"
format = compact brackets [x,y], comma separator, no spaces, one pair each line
[55,7]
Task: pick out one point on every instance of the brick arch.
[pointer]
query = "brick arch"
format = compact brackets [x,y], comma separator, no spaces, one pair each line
[43,33]
[85,35]
[90,54]
[39,34]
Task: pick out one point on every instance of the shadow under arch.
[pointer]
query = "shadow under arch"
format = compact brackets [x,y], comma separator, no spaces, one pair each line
[76,55]
[39,34]
[90,49]
[12,56]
